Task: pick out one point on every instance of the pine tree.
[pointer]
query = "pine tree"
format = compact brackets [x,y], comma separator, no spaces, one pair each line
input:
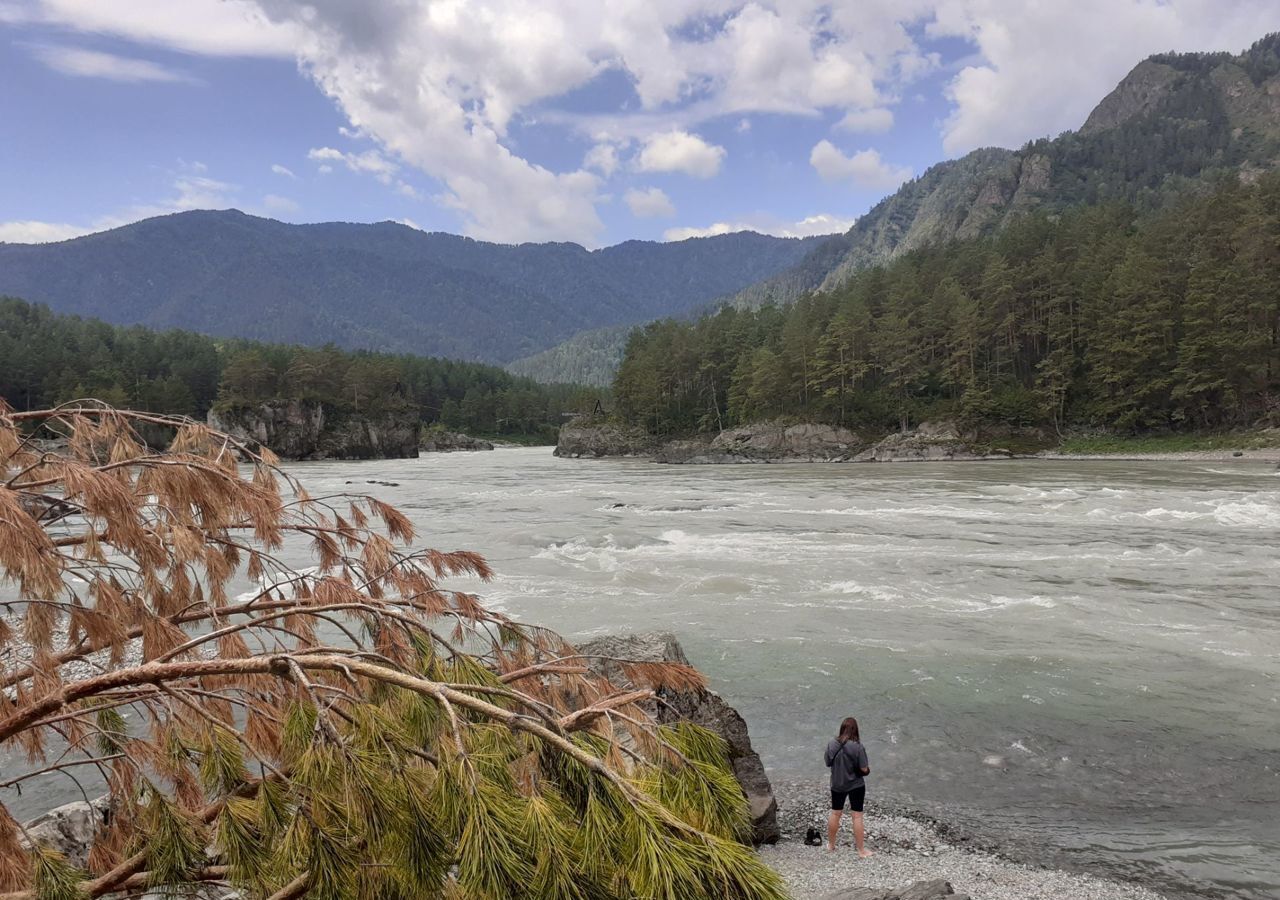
[352,730]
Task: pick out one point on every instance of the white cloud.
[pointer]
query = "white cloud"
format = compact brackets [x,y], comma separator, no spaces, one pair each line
[867,121]
[31,232]
[603,158]
[211,27]
[404,189]
[436,85]
[277,205]
[822,223]
[1044,66]
[409,223]
[282,170]
[188,189]
[649,203]
[369,162]
[679,151]
[865,168]
[83,63]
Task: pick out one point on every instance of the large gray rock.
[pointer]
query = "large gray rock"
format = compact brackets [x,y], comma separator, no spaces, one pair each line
[920,890]
[931,441]
[767,442]
[584,438]
[70,829]
[306,429]
[705,708]
[437,440]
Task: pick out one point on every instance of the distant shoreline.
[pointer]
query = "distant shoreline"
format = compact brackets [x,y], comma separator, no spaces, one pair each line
[1266,454]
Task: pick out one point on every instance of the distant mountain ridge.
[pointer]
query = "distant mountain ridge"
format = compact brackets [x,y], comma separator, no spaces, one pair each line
[1174,123]
[383,286]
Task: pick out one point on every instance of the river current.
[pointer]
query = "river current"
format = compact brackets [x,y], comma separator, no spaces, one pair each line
[1079,659]
[1083,657]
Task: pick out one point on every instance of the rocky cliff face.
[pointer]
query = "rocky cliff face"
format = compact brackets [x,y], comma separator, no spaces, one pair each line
[303,429]
[705,708]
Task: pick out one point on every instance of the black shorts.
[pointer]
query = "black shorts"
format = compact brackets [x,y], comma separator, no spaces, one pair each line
[857,797]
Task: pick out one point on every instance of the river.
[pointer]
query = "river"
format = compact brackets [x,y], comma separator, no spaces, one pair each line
[1081,659]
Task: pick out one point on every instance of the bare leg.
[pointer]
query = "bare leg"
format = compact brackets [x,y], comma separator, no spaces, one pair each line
[833,828]
[859,836]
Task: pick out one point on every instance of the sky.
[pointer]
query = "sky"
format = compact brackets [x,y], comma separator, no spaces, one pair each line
[592,121]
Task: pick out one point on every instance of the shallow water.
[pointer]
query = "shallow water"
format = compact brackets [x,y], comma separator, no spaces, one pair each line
[1082,657]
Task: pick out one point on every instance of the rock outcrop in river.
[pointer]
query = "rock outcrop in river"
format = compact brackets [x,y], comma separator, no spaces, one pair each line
[705,708]
[437,440]
[769,442]
[308,429]
[584,437]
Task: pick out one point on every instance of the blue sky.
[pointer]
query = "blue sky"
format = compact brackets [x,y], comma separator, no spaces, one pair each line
[557,120]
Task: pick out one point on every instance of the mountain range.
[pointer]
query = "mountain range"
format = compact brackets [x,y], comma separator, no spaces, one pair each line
[1175,123]
[384,286]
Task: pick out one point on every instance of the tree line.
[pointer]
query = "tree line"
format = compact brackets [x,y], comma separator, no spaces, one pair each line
[47,359]
[1103,317]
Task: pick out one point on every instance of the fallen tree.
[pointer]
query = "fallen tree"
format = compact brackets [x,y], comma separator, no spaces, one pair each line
[353,728]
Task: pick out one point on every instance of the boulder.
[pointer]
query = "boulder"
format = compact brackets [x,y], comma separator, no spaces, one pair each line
[437,440]
[767,442]
[919,890]
[705,708]
[930,441]
[308,429]
[70,829]
[584,438]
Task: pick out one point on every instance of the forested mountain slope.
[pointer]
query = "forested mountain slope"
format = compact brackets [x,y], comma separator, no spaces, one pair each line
[1098,318]
[382,287]
[1175,123]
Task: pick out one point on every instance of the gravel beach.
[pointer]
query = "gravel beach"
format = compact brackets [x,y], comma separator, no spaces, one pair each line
[908,850]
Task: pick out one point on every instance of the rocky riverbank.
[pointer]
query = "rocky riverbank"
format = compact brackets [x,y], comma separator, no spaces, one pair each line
[307,429]
[771,442]
[913,852]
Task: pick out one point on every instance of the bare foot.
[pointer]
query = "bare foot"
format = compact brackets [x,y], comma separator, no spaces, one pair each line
[864,853]
[831,848]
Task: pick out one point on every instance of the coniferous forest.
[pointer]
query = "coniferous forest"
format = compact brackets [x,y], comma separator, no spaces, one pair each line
[47,359]
[1103,318]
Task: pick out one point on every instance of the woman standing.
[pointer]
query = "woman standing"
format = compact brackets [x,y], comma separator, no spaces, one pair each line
[847,759]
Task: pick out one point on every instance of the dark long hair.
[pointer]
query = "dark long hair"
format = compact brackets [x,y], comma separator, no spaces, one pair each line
[848,730]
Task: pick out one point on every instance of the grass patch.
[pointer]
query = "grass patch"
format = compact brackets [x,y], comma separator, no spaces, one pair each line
[1170,443]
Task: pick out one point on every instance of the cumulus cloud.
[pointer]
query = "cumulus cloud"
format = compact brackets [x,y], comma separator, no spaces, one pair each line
[603,158]
[278,169]
[437,86]
[83,63]
[810,226]
[649,203]
[679,151]
[865,168]
[867,121]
